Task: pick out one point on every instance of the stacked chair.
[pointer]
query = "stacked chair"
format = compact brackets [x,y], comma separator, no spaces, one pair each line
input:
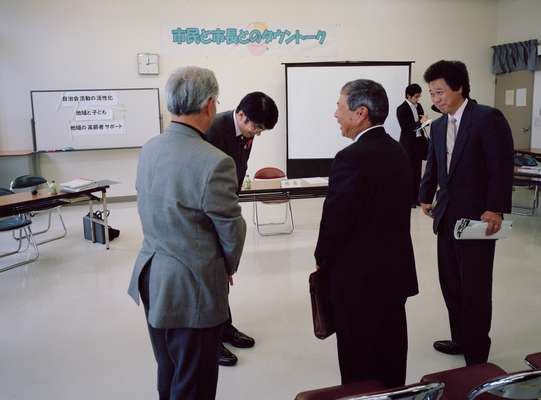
[533,360]
[477,382]
[373,390]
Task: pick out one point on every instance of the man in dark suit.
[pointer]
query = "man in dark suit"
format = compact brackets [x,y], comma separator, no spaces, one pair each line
[186,194]
[410,117]
[364,247]
[233,132]
[470,158]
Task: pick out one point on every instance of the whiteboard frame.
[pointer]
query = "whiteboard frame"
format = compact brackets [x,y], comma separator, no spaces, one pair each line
[311,167]
[33,123]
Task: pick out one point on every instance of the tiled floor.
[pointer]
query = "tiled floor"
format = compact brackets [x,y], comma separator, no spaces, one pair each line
[69,330]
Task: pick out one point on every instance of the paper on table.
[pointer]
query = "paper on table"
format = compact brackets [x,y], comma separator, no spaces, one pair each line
[471,229]
[304,182]
[77,183]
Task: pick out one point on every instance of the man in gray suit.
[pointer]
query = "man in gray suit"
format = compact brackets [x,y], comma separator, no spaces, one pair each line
[193,238]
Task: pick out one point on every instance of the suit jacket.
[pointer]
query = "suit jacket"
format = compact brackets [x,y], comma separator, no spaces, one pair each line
[408,126]
[222,134]
[480,176]
[364,245]
[193,229]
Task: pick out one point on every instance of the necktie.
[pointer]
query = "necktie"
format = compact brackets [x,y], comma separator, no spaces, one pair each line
[451,137]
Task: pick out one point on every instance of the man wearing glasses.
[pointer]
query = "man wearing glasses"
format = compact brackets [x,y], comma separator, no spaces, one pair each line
[233,132]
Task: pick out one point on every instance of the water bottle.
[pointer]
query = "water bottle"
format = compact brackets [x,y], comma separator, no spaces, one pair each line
[247,183]
[53,187]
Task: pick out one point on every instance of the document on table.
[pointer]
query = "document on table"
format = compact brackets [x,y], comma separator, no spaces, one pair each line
[529,170]
[304,182]
[472,229]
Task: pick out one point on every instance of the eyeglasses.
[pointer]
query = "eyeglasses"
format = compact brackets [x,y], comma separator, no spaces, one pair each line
[257,127]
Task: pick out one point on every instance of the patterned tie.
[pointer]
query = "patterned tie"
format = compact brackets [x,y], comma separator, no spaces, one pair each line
[451,137]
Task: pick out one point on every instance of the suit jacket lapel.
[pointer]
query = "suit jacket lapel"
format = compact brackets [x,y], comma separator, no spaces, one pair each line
[462,137]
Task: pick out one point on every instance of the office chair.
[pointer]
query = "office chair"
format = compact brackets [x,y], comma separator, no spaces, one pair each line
[487,381]
[31,182]
[273,173]
[533,360]
[22,224]
[373,390]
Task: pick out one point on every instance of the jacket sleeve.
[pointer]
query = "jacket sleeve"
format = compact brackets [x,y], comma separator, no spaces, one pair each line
[497,143]
[221,205]
[429,182]
[405,119]
[342,200]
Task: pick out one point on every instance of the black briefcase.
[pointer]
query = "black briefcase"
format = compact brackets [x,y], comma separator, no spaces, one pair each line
[99,230]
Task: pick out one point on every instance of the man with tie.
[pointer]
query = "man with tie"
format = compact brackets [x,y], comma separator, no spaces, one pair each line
[364,247]
[233,132]
[470,159]
[410,115]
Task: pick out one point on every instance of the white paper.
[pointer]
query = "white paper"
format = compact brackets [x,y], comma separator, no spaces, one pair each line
[304,182]
[425,124]
[77,183]
[510,97]
[322,181]
[521,97]
[471,229]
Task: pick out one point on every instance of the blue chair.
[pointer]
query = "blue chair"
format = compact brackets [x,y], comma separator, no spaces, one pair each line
[31,182]
[22,224]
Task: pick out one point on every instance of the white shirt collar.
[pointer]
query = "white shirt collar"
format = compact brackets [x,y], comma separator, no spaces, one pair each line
[411,104]
[366,130]
[237,129]
[458,113]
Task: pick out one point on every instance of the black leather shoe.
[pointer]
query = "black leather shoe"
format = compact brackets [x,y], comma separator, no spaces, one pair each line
[448,347]
[236,338]
[227,359]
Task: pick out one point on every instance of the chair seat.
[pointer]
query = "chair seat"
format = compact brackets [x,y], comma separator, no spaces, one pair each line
[460,381]
[336,392]
[534,360]
[11,223]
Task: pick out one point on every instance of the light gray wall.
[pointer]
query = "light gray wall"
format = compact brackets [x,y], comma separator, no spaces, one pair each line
[61,44]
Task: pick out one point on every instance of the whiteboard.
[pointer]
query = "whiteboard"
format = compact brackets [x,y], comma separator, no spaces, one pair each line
[93,119]
[313,135]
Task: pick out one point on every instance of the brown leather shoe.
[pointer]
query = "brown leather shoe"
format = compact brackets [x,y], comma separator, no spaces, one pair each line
[448,347]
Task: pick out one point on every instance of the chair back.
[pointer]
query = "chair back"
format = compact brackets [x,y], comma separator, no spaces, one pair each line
[269,173]
[4,191]
[27,181]
[533,360]
[515,386]
[428,391]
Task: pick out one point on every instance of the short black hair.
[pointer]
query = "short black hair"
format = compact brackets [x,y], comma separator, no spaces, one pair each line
[259,108]
[454,73]
[413,89]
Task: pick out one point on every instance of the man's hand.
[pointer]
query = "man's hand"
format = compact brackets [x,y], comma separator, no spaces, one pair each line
[230,279]
[427,209]
[423,119]
[494,222]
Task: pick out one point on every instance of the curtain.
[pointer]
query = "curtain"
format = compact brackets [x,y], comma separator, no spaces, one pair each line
[517,56]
